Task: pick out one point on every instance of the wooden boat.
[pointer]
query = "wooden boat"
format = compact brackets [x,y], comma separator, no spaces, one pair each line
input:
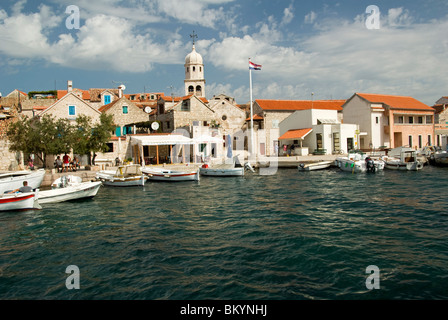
[315,166]
[359,163]
[222,170]
[157,174]
[19,201]
[407,161]
[10,181]
[124,176]
[68,188]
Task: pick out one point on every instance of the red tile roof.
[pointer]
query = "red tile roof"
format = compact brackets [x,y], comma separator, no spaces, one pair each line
[395,102]
[63,93]
[256,118]
[296,134]
[297,105]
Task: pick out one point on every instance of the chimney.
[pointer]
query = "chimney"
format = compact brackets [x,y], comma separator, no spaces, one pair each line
[69,85]
[120,92]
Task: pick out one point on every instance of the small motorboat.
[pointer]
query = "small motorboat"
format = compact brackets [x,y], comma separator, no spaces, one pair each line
[10,181]
[441,158]
[124,176]
[68,188]
[222,170]
[321,165]
[407,161]
[157,174]
[359,163]
[19,201]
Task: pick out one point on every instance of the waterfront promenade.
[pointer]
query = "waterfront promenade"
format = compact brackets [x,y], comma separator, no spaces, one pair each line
[283,162]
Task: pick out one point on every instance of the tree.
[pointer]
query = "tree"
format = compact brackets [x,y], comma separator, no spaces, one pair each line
[40,136]
[101,134]
[88,138]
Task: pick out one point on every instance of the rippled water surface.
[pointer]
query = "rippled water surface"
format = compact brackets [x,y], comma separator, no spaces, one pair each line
[288,236]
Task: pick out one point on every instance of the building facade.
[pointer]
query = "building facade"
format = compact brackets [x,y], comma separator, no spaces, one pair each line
[390,121]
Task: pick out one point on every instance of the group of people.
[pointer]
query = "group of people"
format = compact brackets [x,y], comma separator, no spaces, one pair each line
[66,163]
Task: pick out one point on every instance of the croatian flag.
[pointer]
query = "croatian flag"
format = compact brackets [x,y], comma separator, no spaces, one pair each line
[253,66]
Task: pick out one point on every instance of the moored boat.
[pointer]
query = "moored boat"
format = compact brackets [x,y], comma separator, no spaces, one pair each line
[441,158]
[68,188]
[13,180]
[359,163]
[19,201]
[157,174]
[407,161]
[224,170]
[315,166]
[124,176]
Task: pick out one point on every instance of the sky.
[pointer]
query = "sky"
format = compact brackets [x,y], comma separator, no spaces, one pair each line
[320,49]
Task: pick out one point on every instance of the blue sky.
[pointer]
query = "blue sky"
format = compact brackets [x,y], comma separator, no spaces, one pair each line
[321,47]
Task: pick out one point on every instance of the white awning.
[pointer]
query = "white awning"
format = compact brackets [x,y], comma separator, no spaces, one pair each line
[171,140]
[160,140]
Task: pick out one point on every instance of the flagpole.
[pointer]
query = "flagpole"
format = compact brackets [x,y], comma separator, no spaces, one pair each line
[251,113]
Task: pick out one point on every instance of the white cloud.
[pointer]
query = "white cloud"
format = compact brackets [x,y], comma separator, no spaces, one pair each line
[288,15]
[345,57]
[310,17]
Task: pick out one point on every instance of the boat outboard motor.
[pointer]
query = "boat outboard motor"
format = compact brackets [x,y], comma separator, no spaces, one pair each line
[248,166]
[370,164]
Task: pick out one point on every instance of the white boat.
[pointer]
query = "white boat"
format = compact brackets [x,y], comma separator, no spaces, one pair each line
[358,163]
[10,181]
[68,188]
[321,165]
[407,161]
[19,201]
[157,174]
[222,170]
[441,158]
[124,176]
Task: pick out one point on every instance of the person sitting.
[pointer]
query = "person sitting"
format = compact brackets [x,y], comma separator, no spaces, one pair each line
[58,164]
[75,164]
[23,189]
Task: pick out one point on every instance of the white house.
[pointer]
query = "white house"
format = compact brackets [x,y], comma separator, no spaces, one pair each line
[317,131]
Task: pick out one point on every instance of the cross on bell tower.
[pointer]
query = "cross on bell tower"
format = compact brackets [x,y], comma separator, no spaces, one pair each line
[194,36]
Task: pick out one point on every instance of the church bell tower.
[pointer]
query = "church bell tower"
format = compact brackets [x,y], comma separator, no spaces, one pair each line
[194,72]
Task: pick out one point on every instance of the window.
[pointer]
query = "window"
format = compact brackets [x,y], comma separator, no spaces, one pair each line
[199,89]
[410,141]
[420,142]
[429,140]
[420,120]
[125,110]
[71,110]
[411,120]
[118,131]
[168,125]
[110,147]
[275,124]
[191,89]
[185,106]
[377,120]
[107,99]
[401,119]
[429,119]
[194,69]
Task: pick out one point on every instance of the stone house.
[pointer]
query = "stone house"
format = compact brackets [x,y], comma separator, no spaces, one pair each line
[390,121]
[125,114]
[70,107]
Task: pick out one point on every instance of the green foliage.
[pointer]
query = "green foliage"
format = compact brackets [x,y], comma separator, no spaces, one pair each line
[47,136]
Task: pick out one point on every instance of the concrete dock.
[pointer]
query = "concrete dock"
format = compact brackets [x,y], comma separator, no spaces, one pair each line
[280,162]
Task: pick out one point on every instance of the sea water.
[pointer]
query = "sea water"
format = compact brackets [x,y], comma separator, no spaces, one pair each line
[289,236]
